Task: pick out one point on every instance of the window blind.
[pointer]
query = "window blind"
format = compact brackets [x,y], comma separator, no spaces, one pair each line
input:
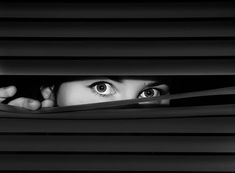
[169,38]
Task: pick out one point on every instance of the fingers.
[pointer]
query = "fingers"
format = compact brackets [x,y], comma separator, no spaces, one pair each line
[26,103]
[48,95]
[7,92]
[20,102]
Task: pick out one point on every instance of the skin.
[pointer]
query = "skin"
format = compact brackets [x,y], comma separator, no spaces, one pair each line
[27,103]
[88,91]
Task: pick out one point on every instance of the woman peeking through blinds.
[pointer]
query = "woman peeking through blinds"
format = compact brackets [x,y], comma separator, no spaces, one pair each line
[85,90]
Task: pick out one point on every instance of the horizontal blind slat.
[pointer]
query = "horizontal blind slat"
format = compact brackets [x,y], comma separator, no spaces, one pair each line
[115,144]
[199,126]
[117,48]
[117,162]
[186,9]
[118,29]
[108,66]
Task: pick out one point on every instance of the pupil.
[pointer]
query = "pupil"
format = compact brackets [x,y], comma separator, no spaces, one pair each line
[101,87]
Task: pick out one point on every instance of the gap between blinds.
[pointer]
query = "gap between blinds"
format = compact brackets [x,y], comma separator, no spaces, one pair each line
[108,110]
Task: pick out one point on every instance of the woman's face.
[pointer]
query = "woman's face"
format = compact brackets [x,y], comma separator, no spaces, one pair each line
[104,89]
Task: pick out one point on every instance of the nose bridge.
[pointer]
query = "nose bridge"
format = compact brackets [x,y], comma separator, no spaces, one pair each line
[129,92]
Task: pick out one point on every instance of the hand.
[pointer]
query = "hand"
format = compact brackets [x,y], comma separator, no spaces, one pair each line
[23,102]
[48,95]
[27,103]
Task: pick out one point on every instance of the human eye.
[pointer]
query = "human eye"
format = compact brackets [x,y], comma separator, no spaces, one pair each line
[103,88]
[149,92]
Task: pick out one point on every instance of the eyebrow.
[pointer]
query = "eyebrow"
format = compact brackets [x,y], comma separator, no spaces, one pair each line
[113,78]
[153,84]
[116,79]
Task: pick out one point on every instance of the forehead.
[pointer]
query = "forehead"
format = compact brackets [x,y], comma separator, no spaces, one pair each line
[119,81]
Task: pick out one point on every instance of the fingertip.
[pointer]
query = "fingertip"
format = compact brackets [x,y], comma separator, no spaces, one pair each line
[48,103]
[11,90]
[46,92]
[33,104]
